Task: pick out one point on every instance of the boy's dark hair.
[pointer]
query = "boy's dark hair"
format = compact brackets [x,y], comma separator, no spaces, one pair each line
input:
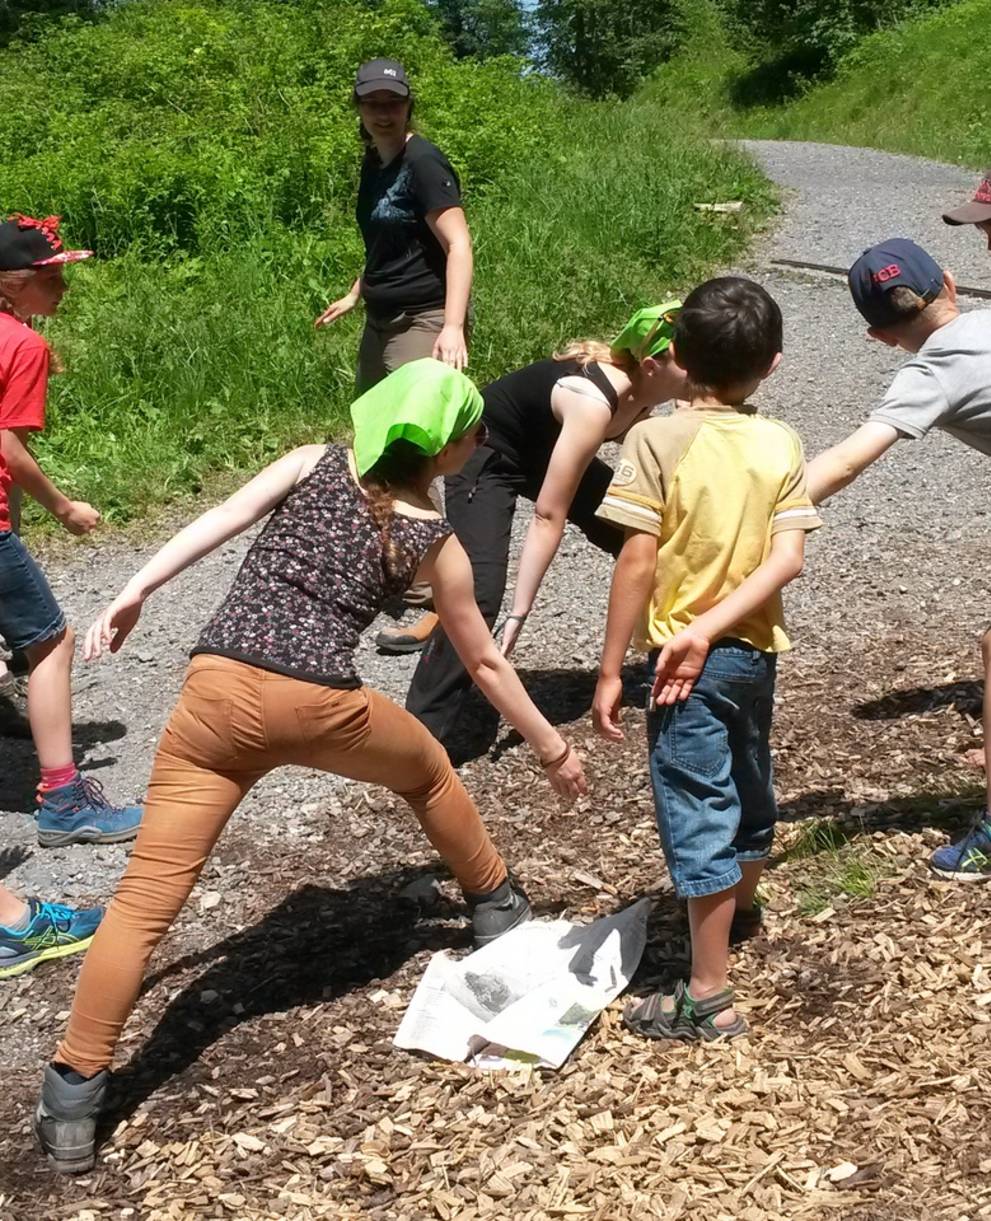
[728,333]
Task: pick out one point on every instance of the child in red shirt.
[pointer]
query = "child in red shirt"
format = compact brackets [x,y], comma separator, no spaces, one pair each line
[72,809]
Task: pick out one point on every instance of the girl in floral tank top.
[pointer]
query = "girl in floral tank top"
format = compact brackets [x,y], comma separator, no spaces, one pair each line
[272,681]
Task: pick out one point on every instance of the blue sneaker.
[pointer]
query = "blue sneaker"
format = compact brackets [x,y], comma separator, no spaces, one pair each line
[53,931]
[969,859]
[78,813]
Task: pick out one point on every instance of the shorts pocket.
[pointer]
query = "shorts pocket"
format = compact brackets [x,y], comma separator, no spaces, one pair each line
[695,738]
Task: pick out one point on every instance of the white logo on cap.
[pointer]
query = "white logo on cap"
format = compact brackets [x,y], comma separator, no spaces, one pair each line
[388,71]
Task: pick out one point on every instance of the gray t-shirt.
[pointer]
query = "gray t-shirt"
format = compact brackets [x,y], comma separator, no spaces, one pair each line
[947,384]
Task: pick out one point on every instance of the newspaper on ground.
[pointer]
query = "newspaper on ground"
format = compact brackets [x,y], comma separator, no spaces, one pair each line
[529,997]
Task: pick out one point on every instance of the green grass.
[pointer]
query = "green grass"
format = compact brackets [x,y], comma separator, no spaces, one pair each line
[919,88]
[836,864]
[198,362]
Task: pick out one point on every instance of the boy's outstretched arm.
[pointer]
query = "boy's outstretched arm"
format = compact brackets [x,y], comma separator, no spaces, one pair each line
[76,515]
[683,657]
[632,582]
[839,465]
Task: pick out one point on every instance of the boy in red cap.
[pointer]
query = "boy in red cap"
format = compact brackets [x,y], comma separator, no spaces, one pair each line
[909,302]
[71,809]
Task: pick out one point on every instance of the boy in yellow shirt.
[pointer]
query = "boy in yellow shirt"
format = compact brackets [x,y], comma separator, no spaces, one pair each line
[715,509]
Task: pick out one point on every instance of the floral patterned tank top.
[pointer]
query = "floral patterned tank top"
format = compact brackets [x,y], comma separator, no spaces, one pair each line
[315,578]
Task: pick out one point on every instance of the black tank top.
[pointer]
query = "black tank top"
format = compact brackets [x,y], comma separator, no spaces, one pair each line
[522,426]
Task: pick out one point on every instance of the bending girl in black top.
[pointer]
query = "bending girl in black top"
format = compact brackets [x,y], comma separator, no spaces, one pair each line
[545,424]
[418,262]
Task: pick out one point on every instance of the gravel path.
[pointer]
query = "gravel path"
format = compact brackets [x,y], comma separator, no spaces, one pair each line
[837,201]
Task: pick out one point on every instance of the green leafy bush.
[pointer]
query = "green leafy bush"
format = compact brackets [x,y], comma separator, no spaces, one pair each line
[208,152]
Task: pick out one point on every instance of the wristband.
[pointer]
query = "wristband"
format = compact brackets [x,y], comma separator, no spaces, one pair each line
[558,759]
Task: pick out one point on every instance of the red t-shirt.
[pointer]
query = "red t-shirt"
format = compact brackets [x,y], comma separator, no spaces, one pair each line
[24,361]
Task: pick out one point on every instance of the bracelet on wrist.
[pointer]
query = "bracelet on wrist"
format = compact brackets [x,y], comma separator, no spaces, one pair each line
[558,759]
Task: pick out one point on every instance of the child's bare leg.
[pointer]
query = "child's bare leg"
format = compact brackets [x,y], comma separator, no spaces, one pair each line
[12,909]
[50,699]
[746,888]
[709,919]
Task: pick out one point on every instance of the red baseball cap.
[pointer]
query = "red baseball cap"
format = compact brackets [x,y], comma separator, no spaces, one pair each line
[979,208]
[26,243]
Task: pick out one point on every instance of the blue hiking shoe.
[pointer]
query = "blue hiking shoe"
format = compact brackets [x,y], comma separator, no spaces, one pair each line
[79,813]
[53,931]
[969,859]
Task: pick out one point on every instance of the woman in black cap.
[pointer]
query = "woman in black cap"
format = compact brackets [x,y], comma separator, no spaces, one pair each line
[416,281]
[418,264]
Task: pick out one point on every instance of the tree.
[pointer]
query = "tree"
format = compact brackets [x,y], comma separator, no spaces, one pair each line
[483,28]
[26,18]
[605,47]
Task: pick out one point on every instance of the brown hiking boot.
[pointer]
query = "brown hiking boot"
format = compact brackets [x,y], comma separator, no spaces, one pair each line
[407,639]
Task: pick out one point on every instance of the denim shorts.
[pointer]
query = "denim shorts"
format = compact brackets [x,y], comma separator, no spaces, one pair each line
[29,613]
[710,767]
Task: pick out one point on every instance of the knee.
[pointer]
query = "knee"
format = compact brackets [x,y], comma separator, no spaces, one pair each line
[60,647]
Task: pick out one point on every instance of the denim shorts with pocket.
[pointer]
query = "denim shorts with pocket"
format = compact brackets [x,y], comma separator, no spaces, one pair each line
[710,767]
[29,613]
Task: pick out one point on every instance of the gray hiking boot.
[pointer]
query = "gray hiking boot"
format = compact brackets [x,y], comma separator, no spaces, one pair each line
[65,1121]
[498,911]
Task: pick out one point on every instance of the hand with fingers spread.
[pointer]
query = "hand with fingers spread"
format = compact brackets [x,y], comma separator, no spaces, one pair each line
[606,708]
[337,310]
[450,347]
[678,667]
[114,626]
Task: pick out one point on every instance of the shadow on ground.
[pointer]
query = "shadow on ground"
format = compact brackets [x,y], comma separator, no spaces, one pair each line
[961,696]
[563,696]
[19,777]
[316,945]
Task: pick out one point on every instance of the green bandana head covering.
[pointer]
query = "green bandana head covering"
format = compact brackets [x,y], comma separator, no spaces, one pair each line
[424,402]
[649,332]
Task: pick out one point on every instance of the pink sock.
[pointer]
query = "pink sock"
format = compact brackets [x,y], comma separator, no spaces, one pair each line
[55,777]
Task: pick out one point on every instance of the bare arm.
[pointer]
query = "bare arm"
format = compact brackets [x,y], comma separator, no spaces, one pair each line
[211,529]
[450,228]
[834,468]
[632,582]
[75,515]
[340,307]
[582,432]
[683,657]
[448,570]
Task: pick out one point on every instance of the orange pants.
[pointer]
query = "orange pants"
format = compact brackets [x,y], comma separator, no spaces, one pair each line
[232,725]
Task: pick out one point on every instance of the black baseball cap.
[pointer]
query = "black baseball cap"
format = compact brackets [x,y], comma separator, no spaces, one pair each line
[895,263]
[386,74]
[26,243]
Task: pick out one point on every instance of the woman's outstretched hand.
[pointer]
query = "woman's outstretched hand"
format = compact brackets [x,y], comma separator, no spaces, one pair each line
[567,777]
[113,627]
[337,310]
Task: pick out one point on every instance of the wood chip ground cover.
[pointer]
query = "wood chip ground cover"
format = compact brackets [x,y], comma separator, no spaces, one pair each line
[257,1078]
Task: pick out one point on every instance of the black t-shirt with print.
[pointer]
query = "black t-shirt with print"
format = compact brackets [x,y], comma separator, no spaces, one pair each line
[405,265]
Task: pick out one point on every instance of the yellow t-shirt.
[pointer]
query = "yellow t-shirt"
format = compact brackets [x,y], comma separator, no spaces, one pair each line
[712,487]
